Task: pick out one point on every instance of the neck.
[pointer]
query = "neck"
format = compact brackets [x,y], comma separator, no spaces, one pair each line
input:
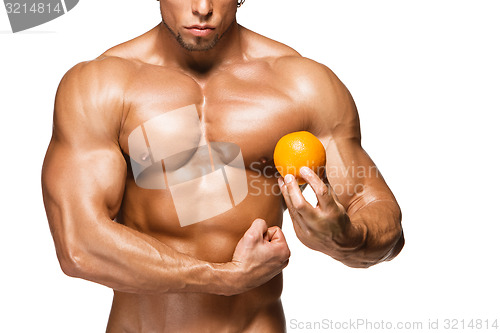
[227,49]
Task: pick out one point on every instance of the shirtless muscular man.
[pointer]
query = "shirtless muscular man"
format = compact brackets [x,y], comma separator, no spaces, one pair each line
[159,182]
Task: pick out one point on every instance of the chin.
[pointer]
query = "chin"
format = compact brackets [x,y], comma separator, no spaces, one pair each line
[194,46]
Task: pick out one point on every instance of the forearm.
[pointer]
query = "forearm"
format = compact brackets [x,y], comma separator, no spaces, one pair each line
[373,234]
[127,260]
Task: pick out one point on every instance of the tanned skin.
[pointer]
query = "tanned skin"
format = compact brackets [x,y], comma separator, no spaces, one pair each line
[223,274]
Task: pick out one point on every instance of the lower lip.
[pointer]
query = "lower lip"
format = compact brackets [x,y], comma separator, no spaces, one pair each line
[200,32]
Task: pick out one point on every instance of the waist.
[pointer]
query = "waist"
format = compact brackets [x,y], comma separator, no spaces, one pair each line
[198,312]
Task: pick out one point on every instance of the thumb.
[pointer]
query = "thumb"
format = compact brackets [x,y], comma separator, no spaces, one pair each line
[256,230]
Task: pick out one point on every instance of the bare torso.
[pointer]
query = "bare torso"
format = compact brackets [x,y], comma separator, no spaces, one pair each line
[245,103]
[159,179]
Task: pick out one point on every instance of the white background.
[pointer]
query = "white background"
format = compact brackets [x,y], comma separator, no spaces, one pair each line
[426,79]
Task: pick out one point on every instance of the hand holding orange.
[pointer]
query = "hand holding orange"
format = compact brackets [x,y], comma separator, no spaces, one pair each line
[299,149]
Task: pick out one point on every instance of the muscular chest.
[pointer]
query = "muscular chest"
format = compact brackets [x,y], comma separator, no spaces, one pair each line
[247,108]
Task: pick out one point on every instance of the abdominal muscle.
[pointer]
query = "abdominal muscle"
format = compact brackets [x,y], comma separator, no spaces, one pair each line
[258,310]
[213,240]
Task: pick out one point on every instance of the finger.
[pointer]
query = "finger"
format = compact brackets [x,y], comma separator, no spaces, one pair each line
[280,241]
[271,231]
[256,230]
[266,236]
[297,199]
[284,190]
[297,220]
[278,236]
[322,191]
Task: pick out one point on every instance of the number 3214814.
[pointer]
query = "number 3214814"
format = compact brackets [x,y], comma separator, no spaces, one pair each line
[475,324]
[35,8]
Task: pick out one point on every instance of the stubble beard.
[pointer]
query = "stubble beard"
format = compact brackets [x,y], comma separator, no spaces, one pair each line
[197,46]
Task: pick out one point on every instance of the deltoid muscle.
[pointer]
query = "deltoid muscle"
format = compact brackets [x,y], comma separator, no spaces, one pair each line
[205,179]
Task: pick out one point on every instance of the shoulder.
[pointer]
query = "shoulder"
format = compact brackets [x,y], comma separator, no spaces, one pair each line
[327,103]
[309,77]
[94,84]
[313,87]
[102,80]
[114,67]
[90,99]
[111,69]
[284,58]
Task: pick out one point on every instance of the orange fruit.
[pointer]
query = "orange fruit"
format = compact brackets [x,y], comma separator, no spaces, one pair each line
[299,149]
